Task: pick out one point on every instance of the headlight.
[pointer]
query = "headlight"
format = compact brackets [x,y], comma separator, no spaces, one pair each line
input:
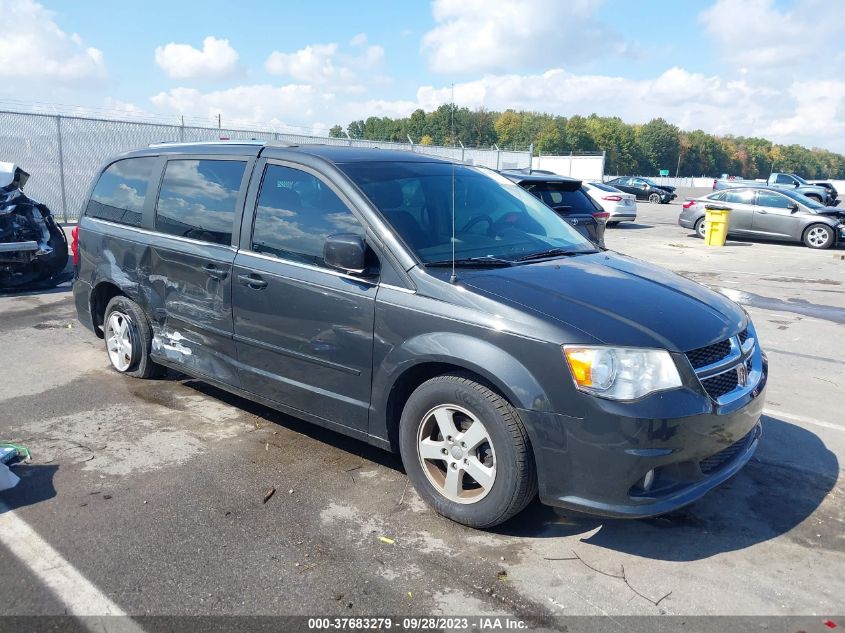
[621,373]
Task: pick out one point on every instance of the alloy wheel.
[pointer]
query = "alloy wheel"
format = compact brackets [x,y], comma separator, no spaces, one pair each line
[817,236]
[119,340]
[456,454]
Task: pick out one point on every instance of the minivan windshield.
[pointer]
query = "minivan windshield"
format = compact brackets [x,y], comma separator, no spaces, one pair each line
[495,220]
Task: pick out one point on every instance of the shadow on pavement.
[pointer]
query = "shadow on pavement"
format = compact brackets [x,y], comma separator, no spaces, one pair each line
[35,486]
[777,491]
[628,226]
[318,433]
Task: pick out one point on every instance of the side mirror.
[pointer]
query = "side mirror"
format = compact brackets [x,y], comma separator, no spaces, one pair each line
[794,207]
[796,185]
[346,251]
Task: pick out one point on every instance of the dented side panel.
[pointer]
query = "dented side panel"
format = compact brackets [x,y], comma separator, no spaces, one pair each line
[190,290]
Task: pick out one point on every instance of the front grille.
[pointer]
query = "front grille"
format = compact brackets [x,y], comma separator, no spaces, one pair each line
[715,462]
[719,385]
[743,336]
[709,354]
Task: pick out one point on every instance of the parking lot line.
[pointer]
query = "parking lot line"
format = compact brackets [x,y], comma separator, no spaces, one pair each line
[803,419]
[69,586]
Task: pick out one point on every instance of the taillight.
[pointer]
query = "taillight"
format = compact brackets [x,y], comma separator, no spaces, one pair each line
[689,203]
[74,245]
[601,216]
[612,198]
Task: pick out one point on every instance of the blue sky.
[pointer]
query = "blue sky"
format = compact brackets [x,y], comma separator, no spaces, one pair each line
[763,67]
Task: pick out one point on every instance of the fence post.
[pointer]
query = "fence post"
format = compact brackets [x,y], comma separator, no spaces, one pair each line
[570,163]
[498,157]
[530,157]
[61,167]
[603,163]
[463,151]
[182,128]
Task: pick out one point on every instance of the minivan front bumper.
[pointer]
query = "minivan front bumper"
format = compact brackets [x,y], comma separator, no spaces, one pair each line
[600,464]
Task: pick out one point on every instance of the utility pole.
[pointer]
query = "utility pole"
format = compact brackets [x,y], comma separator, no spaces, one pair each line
[678,168]
[219,125]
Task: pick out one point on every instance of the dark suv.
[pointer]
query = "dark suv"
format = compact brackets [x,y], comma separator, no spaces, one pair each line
[567,198]
[432,308]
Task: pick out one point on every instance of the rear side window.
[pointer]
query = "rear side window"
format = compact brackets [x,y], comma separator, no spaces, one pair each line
[296,211]
[120,191]
[783,179]
[197,199]
[739,196]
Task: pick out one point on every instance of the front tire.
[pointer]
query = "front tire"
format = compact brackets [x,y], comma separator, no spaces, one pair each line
[654,198]
[128,339]
[819,236]
[466,451]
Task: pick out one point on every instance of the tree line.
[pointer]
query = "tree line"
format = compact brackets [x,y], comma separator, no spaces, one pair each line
[642,149]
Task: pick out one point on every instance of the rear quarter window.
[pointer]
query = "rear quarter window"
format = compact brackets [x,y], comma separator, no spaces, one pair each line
[120,192]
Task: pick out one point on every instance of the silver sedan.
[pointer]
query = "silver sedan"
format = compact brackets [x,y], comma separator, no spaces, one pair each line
[620,206]
[770,214]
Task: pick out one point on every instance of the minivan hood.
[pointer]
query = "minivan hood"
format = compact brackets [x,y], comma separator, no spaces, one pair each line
[614,299]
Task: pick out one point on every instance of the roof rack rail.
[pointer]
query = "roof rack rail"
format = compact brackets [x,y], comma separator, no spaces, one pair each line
[218,142]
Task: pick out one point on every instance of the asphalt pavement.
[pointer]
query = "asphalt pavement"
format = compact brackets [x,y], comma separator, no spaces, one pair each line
[170,497]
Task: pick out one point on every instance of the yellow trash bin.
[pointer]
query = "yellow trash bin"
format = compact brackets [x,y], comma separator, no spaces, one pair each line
[716,221]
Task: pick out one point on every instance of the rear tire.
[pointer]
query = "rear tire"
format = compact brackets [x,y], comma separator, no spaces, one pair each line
[453,424]
[819,236]
[610,225]
[700,228]
[128,338]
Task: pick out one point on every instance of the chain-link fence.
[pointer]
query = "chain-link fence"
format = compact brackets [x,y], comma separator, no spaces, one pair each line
[62,153]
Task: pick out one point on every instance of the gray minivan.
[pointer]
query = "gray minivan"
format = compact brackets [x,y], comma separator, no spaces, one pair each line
[432,308]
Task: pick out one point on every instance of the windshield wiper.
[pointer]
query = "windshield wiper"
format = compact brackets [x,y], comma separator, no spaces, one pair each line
[552,252]
[473,261]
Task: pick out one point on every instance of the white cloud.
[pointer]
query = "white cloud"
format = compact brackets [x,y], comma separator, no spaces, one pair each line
[296,105]
[818,117]
[216,60]
[33,46]
[688,99]
[323,64]
[312,64]
[755,36]
[476,36]
[809,112]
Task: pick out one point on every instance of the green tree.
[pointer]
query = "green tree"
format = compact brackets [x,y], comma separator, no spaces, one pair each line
[336,132]
[660,144]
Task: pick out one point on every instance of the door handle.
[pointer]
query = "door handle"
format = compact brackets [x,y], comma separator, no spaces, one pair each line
[213,271]
[762,211]
[253,281]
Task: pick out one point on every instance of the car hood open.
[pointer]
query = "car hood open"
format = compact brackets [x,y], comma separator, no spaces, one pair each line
[615,299]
